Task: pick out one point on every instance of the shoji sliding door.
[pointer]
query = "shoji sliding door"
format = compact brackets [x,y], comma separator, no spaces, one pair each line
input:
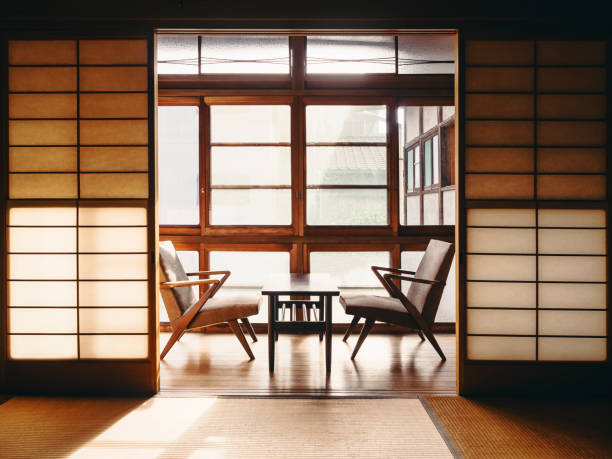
[534,220]
[80,219]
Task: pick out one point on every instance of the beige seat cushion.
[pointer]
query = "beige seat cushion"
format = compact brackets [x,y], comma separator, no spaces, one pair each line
[381,308]
[223,308]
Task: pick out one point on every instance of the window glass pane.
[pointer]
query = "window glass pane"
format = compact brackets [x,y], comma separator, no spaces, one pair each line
[178,165]
[426,53]
[436,156]
[346,123]
[350,54]
[448,111]
[413,211]
[346,207]
[431,209]
[191,263]
[427,162]
[251,166]
[177,54]
[409,121]
[245,54]
[410,178]
[430,118]
[250,207]
[417,167]
[358,165]
[250,123]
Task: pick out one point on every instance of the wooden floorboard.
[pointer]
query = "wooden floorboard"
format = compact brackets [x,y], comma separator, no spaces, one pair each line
[387,365]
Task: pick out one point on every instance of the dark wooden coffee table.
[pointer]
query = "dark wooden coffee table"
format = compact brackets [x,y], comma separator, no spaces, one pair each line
[320,285]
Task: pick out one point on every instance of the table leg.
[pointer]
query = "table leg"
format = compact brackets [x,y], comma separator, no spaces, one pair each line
[271,330]
[328,332]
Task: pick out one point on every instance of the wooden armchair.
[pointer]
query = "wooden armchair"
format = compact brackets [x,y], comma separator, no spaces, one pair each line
[187,310]
[417,308]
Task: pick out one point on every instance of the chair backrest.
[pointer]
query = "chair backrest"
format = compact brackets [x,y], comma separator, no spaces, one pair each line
[178,299]
[434,265]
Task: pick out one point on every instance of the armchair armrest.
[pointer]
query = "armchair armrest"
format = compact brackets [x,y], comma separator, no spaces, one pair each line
[225,275]
[392,270]
[413,279]
[187,283]
[377,269]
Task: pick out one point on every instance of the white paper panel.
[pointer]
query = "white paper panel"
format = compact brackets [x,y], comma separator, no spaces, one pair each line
[431,209]
[448,202]
[32,266]
[42,240]
[28,293]
[500,322]
[113,267]
[572,241]
[501,217]
[111,294]
[579,269]
[42,216]
[113,320]
[500,348]
[42,320]
[112,239]
[112,216]
[43,347]
[587,218]
[501,267]
[577,349]
[114,346]
[572,323]
[501,295]
[572,295]
[501,240]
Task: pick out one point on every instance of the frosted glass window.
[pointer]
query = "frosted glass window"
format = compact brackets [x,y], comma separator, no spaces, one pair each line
[413,210]
[572,295]
[42,320]
[409,121]
[177,54]
[572,323]
[47,267]
[112,239]
[572,241]
[501,295]
[355,165]
[346,207]
[349,269]
[430,118]
[43,347]
[112,216]
[581,349]
[501,267]
[124,266]
[249,269]
[501,240]
[431,209]
[250,166]
[576,268]
[346,123]
[114,346]
[448,200]
[502,322]
[42,240]
[501,217]
[250,123]
[576,218]
[426,53]
[42,216]
[350,54]
[113,320]
[250,207]
[245,54]
[48,294]
[501,348]
[178,164]
[113,293]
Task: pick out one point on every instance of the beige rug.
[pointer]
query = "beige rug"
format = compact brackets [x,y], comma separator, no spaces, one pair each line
[211,428]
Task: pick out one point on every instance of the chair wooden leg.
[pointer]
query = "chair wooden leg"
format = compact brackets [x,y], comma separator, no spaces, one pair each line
[369,323]
[174,337]
[351,327]
[235,326]
[249,328]
[420,333]
[434,343]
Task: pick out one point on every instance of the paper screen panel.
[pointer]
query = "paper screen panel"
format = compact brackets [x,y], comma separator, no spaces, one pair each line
[116,52]
[42,266]
[575,160]
[501,267]
[111,185]
[569,79]
[570,187]
[42,186]
[43,347]
[572,133]
[47,294]
[113,78]
[501,240]
[42,79]
[42,240]
[572,269]
[572,323]
[113,320]
[516,52]
[572,106]
[501,294]
[511,133]
[510,106]
[114,159]
[43,320]
[572,349]
[112,239]
[501,322]
[124,105]
[571,52]
[114,346]
[501,217]
[111,267]
[112,216]
[42,106]
[478,159]
[588,296]
[114,132]
[502,79]
[42,159]
[498,186]
[572,241]
[572,218]
[42,52]
[42,216]
[42,132]
[113,293]
[501,348]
